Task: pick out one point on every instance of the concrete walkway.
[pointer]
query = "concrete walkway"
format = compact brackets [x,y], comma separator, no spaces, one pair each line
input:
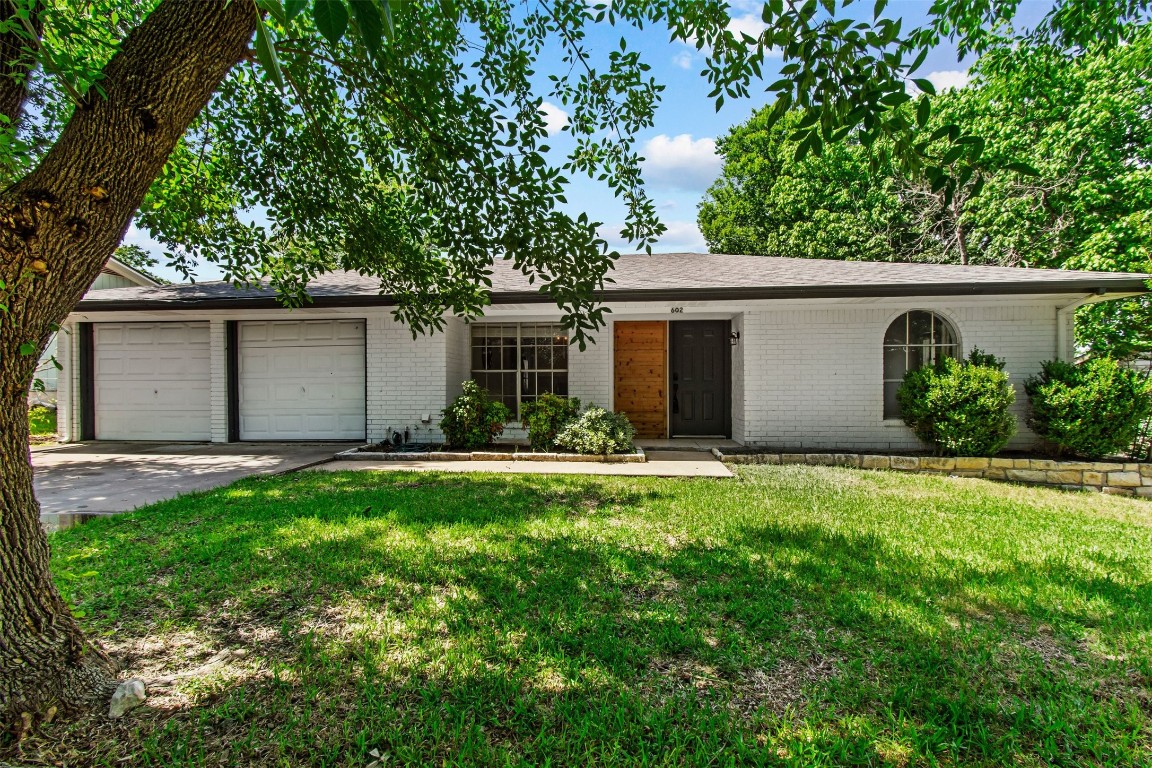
[659,464]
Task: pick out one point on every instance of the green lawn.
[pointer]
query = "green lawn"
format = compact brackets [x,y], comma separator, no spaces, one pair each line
[792,616]
[41,421]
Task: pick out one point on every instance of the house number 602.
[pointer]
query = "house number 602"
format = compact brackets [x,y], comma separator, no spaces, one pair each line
[677,310]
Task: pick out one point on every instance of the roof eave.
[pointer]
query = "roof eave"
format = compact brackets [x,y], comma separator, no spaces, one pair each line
[1098,287]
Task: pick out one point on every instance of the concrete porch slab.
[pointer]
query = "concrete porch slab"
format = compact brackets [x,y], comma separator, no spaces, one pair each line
[686,443]
[659,464]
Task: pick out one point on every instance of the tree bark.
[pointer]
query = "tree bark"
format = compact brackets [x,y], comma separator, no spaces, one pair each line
[58,226]
[961,235]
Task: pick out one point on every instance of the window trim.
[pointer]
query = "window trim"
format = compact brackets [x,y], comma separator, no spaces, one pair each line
[519,371]
[956,345]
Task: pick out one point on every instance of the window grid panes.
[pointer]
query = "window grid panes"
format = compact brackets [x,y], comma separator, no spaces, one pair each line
[517,362]
[914,339]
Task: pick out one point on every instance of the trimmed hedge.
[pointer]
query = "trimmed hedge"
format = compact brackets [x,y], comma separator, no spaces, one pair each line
[1092,410]
[960,407]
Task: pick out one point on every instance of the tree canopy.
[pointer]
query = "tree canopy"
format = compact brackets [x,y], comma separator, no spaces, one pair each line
[1062,180]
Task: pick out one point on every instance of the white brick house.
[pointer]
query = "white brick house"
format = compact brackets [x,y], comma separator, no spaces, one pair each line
[115,274]
[794,353]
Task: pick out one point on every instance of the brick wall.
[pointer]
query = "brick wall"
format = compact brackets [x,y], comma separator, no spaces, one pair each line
[407,378]
[68,383]
[218,351]
[590,371]
[812,378]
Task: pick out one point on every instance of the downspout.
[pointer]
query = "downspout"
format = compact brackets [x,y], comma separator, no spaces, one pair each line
[1064,315]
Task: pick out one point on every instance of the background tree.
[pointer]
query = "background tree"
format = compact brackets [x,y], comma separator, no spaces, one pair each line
[831,206]
[139,259]
[1053,174]
[403,140]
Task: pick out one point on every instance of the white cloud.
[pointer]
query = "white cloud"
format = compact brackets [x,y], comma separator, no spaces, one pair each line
[683,59]
[750,24]
[948,78]
[680,236]
[555,118]
[681,162]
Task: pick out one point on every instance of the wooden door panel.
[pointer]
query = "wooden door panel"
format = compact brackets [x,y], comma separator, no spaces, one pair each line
[640,375]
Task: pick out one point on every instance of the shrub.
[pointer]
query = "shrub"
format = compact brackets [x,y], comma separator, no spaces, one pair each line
[545,416]
[1092,410]
[597,431]
[474,419]
[41,420]
[960,407]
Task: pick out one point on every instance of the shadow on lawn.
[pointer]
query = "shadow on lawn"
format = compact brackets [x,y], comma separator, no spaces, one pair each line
[443,617]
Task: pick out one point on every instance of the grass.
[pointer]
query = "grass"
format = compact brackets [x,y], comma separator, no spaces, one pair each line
[793,616]
[41,421]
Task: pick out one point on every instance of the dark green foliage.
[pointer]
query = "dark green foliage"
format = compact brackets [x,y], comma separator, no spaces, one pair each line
[598,431]
[960,407]
[835,206]
[545,416]
[41,420]
[1092,410]
[474,419]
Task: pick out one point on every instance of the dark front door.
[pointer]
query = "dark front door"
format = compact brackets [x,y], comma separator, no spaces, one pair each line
[699,368]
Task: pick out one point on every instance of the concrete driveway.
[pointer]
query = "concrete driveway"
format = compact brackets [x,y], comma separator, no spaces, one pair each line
[107,477]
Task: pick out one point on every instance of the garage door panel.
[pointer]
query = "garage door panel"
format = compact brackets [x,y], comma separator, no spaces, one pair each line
[253,363]
[302,380]
[252,333]
[255,424]
[152,381]
[286,332]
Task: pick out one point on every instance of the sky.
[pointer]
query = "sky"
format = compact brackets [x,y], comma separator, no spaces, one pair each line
[680,148]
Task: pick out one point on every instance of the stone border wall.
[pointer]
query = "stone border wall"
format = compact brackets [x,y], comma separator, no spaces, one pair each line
[509,454]
[1124,479]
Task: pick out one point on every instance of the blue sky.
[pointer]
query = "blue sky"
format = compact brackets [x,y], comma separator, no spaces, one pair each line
[680,147]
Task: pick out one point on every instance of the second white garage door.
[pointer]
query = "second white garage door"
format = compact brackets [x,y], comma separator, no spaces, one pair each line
[301,380]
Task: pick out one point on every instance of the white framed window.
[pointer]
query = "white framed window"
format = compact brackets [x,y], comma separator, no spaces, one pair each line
[913,340]
[516,362]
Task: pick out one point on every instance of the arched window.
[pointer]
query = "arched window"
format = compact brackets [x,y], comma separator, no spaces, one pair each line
[913,340]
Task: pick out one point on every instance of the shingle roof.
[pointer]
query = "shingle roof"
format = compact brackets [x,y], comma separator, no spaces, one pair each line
[696,276]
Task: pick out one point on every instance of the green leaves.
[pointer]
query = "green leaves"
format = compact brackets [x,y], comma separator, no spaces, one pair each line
[371,28]
[923,111]
[266,54]
[331,18]
[293,8]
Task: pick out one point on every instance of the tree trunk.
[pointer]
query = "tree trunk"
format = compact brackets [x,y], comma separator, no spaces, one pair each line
[58,226]
[961,235]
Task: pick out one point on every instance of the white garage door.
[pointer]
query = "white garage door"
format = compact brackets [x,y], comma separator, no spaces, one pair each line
[301,380]
[152,381]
